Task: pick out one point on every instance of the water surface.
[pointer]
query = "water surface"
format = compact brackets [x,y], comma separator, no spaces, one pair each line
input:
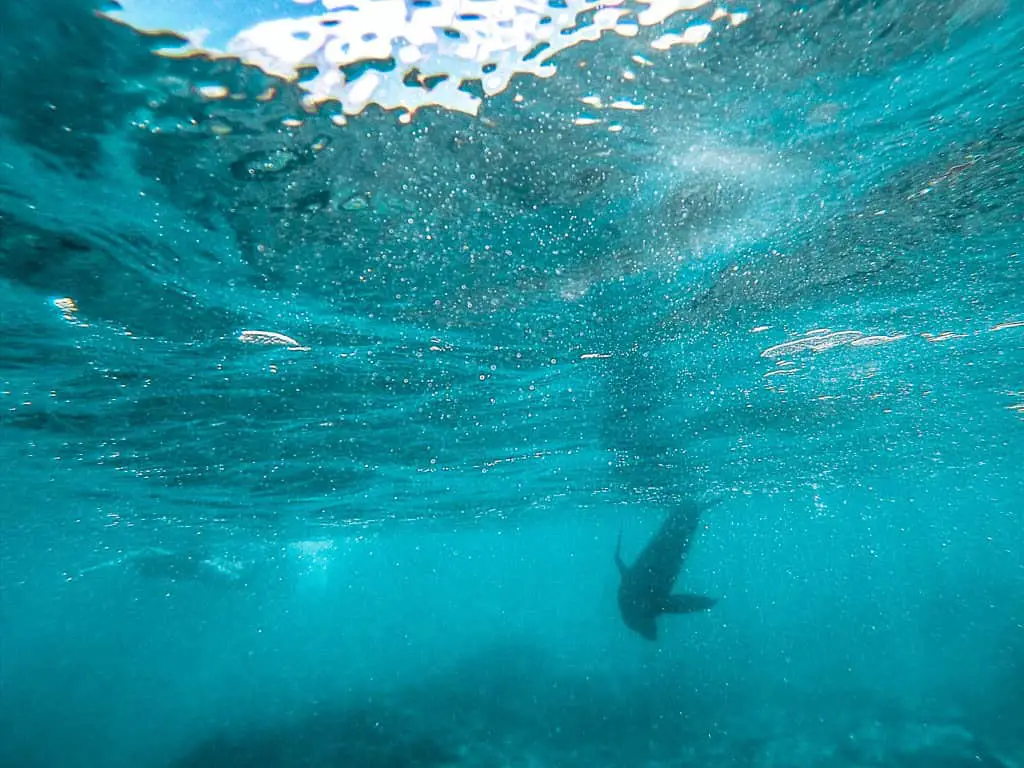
[320,420]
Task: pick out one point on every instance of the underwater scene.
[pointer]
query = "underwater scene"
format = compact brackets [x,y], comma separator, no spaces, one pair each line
[512,384]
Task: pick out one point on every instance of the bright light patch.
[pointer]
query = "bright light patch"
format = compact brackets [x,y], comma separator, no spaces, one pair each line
[659,10]
[447,43]
[271,339]
[627,106]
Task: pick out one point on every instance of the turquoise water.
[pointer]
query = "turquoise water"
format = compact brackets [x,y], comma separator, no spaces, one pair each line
[318,437]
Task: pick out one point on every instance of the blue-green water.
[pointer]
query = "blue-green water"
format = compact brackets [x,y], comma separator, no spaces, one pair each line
[791,284]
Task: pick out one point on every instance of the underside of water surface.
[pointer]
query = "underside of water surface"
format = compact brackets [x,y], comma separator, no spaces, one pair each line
[343,342]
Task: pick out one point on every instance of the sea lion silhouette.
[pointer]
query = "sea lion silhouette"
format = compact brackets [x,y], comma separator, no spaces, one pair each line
[645,591]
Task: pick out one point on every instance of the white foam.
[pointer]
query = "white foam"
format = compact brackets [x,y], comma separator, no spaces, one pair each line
[489,41]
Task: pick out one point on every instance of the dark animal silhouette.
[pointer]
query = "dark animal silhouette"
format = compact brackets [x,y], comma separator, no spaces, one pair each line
[645,591]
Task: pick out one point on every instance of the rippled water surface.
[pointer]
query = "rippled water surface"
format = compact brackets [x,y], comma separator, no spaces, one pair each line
[341,341]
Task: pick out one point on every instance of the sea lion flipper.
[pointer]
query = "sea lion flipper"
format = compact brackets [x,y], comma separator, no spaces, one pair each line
[685,603]
[618,555]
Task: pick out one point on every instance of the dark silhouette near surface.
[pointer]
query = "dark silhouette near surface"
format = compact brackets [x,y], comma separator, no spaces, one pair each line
[645,591]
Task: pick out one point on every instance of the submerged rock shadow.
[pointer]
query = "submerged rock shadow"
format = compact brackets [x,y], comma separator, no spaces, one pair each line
[507,706]
[513,705]
[363,736]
